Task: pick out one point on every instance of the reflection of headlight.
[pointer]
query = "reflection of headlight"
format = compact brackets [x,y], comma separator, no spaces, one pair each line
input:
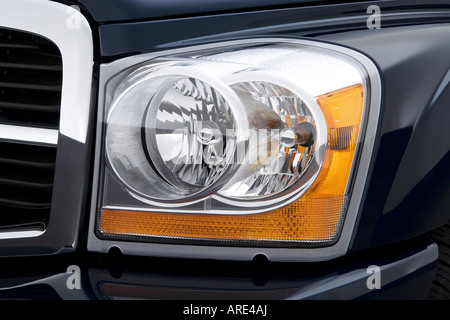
[249,145]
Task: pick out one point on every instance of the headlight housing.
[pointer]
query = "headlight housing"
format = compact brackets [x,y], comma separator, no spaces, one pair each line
[241,145]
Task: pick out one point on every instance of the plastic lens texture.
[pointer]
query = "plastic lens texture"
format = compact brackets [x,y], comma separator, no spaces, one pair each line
[186,134]
[249,145]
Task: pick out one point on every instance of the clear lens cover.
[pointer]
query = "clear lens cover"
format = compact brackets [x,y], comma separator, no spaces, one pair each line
[251,143]
[237,124]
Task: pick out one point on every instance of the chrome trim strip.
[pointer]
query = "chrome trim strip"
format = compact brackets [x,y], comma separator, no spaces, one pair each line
[28,135]
[113,73]
[20,234]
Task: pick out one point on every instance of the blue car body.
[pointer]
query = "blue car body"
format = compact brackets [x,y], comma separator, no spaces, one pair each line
[407,193]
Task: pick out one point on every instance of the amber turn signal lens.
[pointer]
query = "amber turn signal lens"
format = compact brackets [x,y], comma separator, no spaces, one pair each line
[316,217]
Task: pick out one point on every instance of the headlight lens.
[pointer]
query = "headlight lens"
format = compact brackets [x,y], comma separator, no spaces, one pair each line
[176,139]
[249,145]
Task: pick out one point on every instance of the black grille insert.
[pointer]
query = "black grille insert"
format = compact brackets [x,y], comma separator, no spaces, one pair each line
[26,185]
[30,80]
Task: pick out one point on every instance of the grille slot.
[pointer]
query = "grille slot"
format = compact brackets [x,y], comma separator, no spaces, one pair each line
[30,80]
[26,184]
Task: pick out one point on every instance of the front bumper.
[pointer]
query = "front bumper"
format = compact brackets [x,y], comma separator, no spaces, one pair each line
[405,272]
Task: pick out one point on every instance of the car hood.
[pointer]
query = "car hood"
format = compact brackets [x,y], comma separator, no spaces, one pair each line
[132,10]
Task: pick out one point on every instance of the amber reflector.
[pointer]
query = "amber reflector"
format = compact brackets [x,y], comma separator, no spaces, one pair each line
[316,217]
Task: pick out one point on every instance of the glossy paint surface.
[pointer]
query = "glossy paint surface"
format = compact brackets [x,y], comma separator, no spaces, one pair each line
[113,11]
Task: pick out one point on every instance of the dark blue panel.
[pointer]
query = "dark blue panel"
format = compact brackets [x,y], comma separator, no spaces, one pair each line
[132,10]
[120,10]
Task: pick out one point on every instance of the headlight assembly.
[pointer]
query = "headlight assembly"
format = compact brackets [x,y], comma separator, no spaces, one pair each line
[241,145]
